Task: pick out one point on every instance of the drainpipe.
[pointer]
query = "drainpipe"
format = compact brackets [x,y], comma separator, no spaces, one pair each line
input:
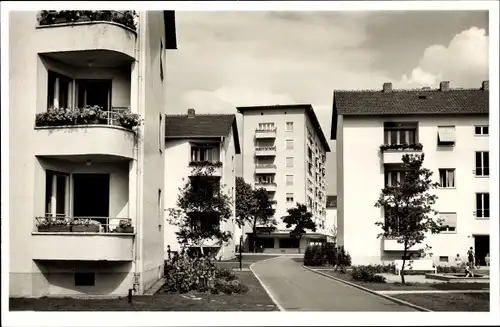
[140,95]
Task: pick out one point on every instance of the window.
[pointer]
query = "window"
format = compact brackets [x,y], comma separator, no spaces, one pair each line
[400,133]
[289,126]
[160,209]
[446,178]
[393,177]
[481,130]
[94,93]
[443,259]
[266,126]
[84,279]
[289,161]
[160,133]
[161,60]
[289,198]
[446,135]
[60,90]
[206,152]
[482,205]
[449,223]
[289,179]
[483,163]
[56,194]
[289,144]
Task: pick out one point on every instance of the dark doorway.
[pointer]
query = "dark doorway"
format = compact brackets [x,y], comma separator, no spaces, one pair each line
[94,93]
[91,196]
[482,248]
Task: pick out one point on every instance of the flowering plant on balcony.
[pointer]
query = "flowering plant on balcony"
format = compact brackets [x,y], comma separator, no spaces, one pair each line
[85,225]
[124,223]
[201,164]
[53,224]
[404,146]
[86,116]
[126,18]
[124,226]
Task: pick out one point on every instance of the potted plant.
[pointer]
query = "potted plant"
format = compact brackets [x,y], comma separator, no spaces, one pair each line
[85,226]
[52,224]
[125,226]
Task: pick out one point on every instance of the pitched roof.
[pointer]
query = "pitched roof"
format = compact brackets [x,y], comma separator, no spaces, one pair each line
[309,111]
[411,102]
[202,126]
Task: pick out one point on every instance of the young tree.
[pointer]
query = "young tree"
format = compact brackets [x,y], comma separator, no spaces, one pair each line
[202,209]
[409,215]
[301,219]
[245,201]
[262,213]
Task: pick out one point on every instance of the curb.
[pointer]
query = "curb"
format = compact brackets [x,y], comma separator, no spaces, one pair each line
[398,301]
[280,308]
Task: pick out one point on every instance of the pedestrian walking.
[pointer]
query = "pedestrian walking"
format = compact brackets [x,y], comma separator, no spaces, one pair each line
[487,259]
[470,257]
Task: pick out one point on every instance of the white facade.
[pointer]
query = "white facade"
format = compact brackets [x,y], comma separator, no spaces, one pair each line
[103,171]
[178,155]
[275,155]
[361,171]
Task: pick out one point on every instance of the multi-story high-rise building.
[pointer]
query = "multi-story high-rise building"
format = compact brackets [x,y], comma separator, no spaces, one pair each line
[86,151]
[284,151]
[200,140]
[452,126]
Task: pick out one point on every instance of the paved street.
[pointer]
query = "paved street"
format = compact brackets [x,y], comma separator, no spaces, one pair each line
[297,289]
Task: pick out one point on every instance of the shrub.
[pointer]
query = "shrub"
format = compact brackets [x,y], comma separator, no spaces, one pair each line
[367,274]
[326,254]
[187,274]
[314,256]
[449,269]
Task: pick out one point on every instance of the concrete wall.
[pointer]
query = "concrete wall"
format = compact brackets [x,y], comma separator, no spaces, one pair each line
[361,178]
[151,157]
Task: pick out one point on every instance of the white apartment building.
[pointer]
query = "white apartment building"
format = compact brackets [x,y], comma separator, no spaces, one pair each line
[194,139]
[452,126]
[331,218]
[84,218]
[284,151]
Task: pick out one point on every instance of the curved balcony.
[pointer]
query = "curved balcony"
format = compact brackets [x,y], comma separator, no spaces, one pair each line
[265,169]
[73,31]
[101,137]
[265,151]
[67,242]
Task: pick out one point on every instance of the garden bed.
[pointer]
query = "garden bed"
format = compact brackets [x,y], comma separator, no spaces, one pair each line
[256,299]
[409,286]
[477,302]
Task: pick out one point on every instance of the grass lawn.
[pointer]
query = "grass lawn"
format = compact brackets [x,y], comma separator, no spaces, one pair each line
[450,301]
[410,286]
[256,299]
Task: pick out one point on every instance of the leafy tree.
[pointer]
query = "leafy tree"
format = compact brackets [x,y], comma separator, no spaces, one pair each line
[245,201]
[253,207]
[301,219]
[202,210]
[409,215]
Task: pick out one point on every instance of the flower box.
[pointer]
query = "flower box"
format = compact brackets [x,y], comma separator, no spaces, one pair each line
[125,229]
[54,228]
[85,228]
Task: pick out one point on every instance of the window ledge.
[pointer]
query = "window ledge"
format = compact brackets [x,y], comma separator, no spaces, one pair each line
[481,176]
[446,188]
[448,232]
[482,135]
[482,218]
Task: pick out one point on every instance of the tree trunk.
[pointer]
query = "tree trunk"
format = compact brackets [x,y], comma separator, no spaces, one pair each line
[254,235]
[300,236]
[403,265]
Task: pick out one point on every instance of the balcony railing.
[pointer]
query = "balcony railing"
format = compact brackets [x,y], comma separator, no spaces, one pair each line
[265,133]
[265,168]
[89,115]
[265,151]
[265,148]
[88,224]
[126,18]
[269,186]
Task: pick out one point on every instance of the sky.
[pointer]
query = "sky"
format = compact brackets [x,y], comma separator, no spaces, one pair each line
[229,59]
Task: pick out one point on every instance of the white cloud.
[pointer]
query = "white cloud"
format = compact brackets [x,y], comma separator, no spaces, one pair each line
[464,62]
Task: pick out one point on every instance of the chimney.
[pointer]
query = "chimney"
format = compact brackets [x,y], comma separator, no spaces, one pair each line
[387,87]
[486,86]
[191,113]
[444,86]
